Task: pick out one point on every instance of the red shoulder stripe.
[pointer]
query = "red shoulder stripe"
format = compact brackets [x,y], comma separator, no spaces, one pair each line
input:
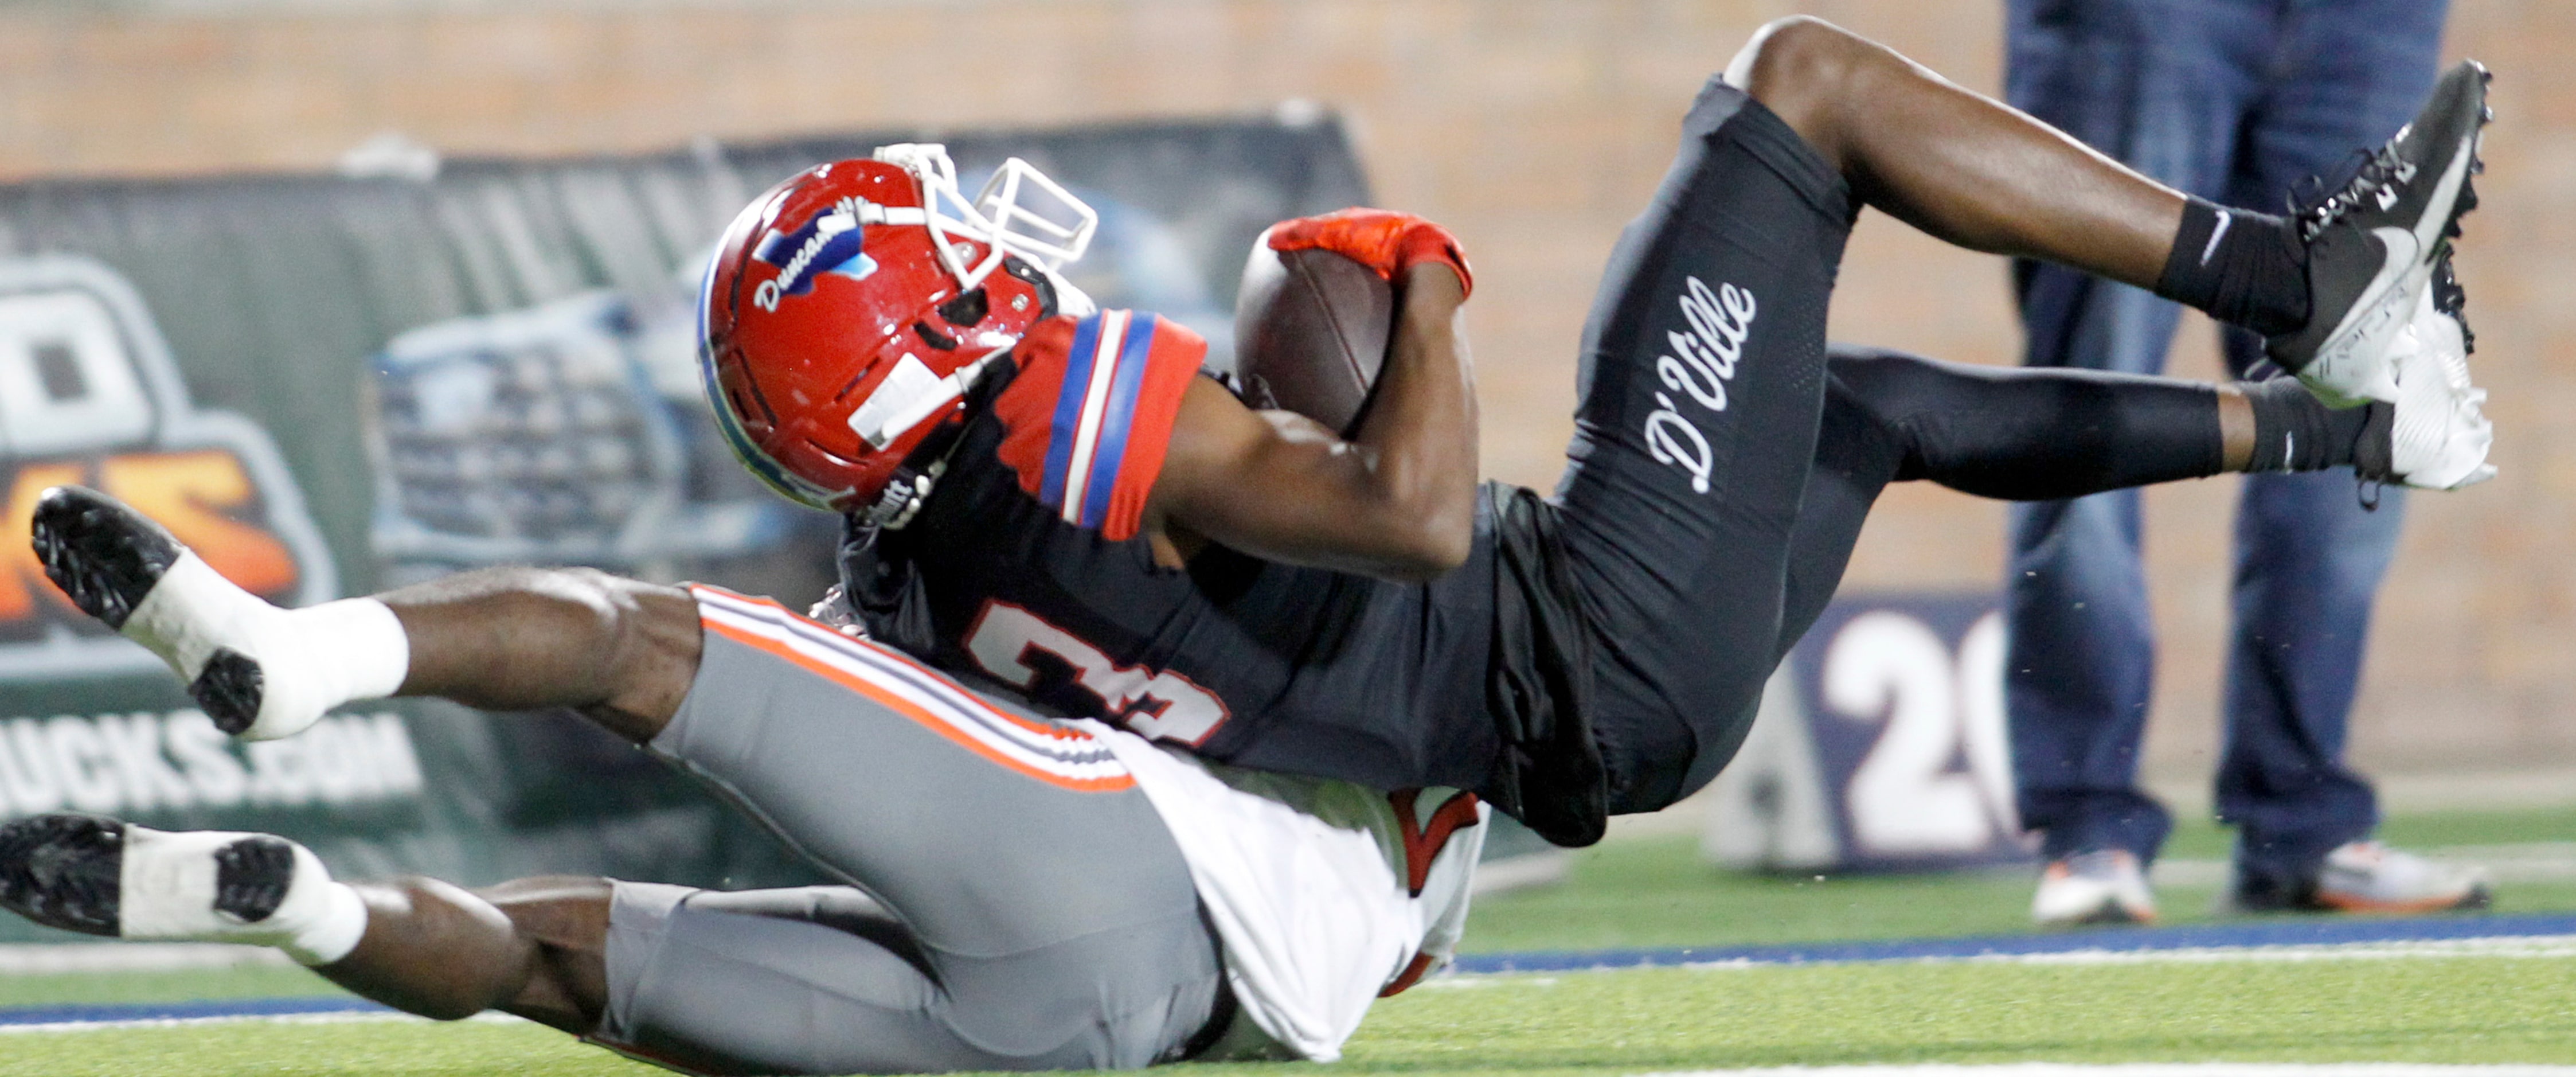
[1088,419]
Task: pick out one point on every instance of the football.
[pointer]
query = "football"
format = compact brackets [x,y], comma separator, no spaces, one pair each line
[1310,330]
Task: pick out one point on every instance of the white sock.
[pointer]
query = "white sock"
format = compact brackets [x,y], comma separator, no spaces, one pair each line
[166,890]
[332,931]
[311,660]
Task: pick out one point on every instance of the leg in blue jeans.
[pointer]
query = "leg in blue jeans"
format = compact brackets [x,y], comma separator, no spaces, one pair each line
[2232,100]
[2308,562]
[2309,558]
[2148,82]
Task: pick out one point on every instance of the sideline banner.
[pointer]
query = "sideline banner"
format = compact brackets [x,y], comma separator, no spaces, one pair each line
[331,385]
[1880,746]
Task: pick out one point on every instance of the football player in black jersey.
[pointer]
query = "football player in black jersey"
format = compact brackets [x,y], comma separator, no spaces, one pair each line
[1044,495]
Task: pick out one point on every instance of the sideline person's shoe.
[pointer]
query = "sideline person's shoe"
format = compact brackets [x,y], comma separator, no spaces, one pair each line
[2104,886]
[2372,245]
[2366,877]
[2436,435]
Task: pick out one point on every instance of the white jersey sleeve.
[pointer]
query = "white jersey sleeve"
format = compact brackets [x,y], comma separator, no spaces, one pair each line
[1324,894]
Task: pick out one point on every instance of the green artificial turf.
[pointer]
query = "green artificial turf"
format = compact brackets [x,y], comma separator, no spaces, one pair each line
[266,1049]
[2202,839]
[2413,1009]
[1658,892]
[2417,1009]
[1644,892]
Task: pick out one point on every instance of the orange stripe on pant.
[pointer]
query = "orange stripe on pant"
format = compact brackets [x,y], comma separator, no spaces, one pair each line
[866,687]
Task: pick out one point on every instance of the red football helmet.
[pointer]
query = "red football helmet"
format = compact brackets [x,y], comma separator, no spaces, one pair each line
[848,310]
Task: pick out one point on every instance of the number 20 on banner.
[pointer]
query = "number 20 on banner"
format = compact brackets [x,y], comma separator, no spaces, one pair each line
[1937,778]
[1880,746]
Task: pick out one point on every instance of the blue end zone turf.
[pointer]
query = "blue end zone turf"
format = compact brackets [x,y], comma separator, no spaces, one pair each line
[2272,932]
[185,1011]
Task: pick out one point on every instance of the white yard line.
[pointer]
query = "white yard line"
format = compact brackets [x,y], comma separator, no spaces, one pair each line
[2527,947]
[1469,981]
[344,1017]
[2522,947]
[359,1017]
[2530,862]
[40,959]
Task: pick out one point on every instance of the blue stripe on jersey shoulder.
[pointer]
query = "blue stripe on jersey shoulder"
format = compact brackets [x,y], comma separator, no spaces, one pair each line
[1134,356]
[1068,410]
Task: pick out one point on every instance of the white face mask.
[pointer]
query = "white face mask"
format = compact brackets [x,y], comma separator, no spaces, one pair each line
[911,393]
[1052,231]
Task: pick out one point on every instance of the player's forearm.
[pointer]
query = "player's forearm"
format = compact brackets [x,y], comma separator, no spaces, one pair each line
[1421,426]
[1397,501]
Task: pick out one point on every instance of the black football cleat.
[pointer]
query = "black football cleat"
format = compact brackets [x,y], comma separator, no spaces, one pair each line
[111,560]
[99,876]
[64,871]
[105,556]
[2372,245]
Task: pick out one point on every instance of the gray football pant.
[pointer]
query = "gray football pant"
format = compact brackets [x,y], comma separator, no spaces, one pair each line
[1024,919]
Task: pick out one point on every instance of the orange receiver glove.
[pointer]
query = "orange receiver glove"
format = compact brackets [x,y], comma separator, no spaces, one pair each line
[1381,239]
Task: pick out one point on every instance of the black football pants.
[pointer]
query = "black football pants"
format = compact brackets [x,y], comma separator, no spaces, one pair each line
[1724,457]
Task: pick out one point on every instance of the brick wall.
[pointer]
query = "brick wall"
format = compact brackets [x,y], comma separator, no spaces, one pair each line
[1535,127]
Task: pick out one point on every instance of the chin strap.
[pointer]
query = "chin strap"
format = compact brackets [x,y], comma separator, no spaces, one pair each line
[910,487]
[912,394]
[901,499]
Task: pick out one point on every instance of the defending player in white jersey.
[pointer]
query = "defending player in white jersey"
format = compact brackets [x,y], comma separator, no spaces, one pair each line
[1018,893]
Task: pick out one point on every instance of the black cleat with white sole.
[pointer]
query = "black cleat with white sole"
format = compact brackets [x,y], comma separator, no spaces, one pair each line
[68,871]
[108,558]
[2372,244]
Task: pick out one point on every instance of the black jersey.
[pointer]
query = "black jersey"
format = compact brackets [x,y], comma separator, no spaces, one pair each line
[1024,567]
